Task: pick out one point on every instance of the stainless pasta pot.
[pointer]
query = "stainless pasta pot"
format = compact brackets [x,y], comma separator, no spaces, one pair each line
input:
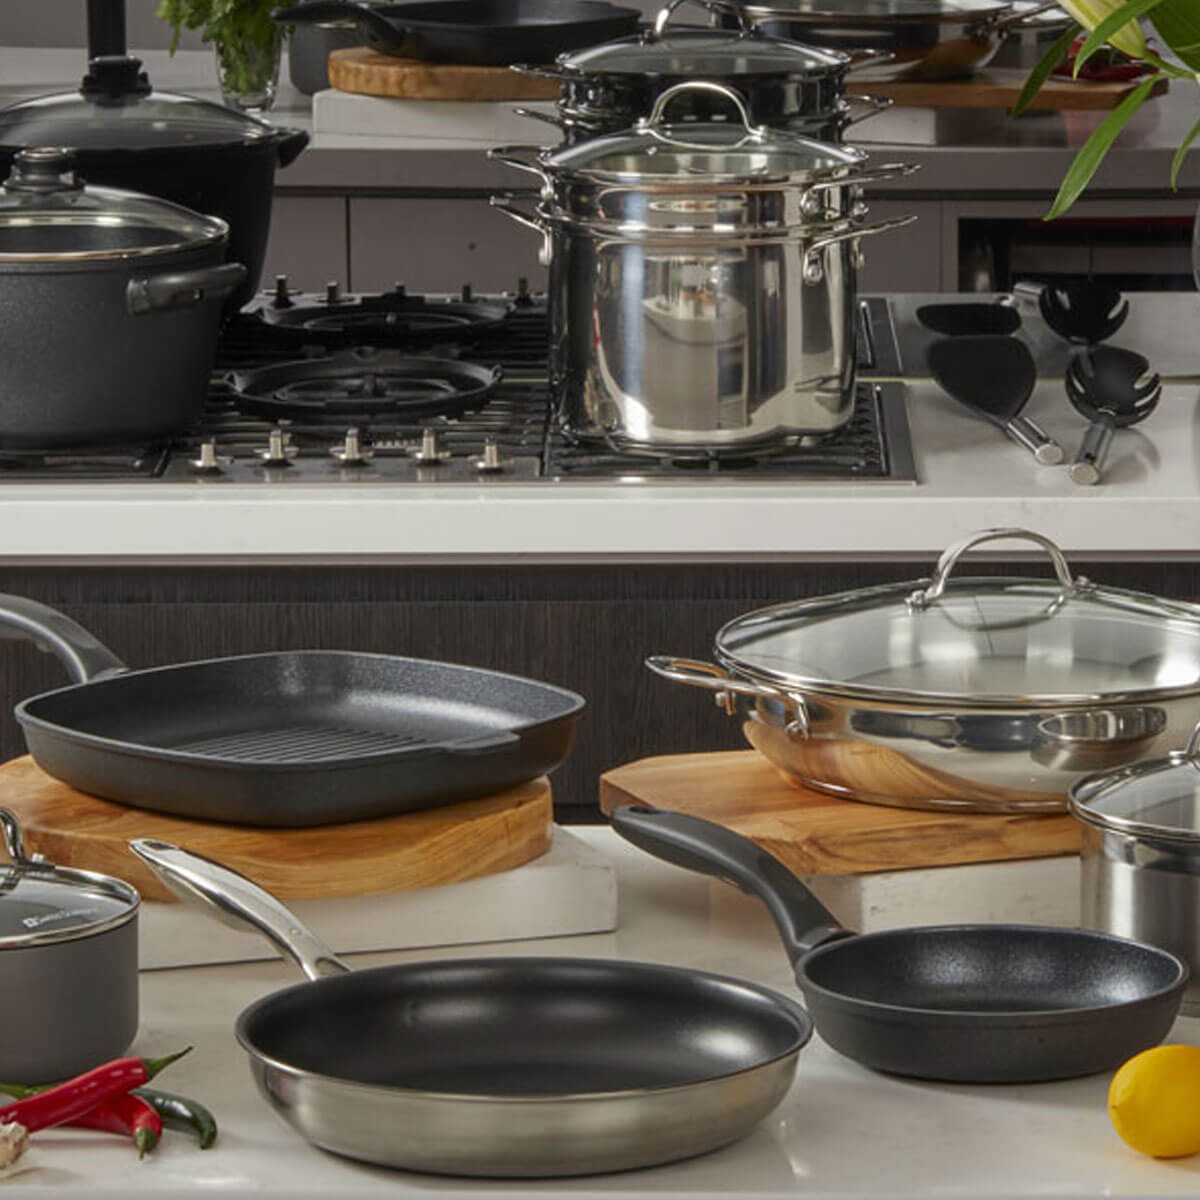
[702,281]
[988,694]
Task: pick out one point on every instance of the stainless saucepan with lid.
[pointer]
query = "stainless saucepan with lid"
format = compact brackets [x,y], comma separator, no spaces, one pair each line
[987,694]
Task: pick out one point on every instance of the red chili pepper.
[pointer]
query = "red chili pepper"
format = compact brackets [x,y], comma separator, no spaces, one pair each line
[127,1114]
[78,1096]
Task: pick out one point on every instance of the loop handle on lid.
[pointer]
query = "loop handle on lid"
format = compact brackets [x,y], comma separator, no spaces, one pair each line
[15,844]
[668,10]
[655,120]
[923,597]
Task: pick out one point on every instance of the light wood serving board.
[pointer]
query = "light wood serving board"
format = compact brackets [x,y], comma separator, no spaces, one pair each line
[999,87]
[370,73]
[819,834]
[416,850]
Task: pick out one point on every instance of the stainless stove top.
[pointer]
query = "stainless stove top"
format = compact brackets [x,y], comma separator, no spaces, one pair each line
[510,437]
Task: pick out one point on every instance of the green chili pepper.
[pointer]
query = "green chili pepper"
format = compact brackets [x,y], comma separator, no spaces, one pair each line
[178,1112]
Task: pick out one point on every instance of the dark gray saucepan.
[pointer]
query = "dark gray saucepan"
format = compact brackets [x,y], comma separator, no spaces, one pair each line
[504,1067]
[291,739]
[960,1003]
[68,966]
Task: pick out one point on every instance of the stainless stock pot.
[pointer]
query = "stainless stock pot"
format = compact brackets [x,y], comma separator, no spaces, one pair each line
[702,280]
[982,694]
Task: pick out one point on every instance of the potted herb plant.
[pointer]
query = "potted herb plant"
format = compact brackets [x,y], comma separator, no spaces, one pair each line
[246,41]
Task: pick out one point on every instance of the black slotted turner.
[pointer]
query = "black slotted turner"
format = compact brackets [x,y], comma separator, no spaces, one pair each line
[1113,389]
[994,377]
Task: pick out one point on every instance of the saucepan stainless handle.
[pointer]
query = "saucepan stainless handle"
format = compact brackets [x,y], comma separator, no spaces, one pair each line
[547,118]
[518,157]
[810,202]
[725,687]
[540,70]
[872,106]
[504,202]
[182,289]
[814,264]
[932,592]
[83,655]
[237,901]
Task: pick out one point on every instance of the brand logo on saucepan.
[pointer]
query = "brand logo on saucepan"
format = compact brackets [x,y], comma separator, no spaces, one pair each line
[61,914]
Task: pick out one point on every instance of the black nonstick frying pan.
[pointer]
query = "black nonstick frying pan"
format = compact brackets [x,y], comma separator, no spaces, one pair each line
[290,739]
[961,1003]
[511,1067]
[475,32]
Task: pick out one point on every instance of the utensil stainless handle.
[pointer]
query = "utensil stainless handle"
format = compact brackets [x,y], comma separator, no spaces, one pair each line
[932,592]
[237,901]
[1035,439]
[813,268]
[662,19]
[698,845]
[182,289]
[1088,466]
[655,119]
[716,679]
[504,203]
[83,655]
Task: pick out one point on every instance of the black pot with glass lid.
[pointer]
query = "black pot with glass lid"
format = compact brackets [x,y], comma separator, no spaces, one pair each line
[991,694]
[110,305]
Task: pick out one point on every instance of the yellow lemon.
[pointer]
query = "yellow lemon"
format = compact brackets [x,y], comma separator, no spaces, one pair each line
[1154,1101]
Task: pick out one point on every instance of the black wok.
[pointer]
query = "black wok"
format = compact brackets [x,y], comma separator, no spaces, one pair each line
[291,739]
[513,1067]
[478,32]
[961,1003]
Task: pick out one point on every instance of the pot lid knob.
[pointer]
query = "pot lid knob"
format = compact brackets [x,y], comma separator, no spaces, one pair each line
[43,169]
[114,76]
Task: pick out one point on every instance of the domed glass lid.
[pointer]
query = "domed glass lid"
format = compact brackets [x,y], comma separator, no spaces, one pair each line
[48,214]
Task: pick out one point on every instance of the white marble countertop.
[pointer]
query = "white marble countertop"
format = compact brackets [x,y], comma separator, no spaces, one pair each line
[841,1132]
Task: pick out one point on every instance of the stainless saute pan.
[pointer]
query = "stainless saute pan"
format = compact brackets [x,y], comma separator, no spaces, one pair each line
[992,694]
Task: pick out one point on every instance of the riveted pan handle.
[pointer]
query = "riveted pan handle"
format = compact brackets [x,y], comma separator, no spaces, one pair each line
[814,267]
[182,289]
[697,845]
[716,679]
[872,106]
[237,901]
[518,157]
[83,655]
[504,203]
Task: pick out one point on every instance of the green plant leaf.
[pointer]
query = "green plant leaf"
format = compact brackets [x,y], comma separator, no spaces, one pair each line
[1177,22]
[1181,154]
[1131,10]
[1092,153]
[1043,71]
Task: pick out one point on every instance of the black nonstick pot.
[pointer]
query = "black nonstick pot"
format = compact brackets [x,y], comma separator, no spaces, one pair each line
[502,1067]
[290,740]
[475,32]
[960,1003]
[204,156]
[110,304]
[68,966]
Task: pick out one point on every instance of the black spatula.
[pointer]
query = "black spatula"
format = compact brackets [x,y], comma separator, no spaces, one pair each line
[1113,389]
[994,377]
[962,320]
[1082,310]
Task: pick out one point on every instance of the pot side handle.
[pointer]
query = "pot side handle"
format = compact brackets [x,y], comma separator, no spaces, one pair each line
[698,845]
[236,901]
[182,289]
[84,656]
[716,679]
[289,144]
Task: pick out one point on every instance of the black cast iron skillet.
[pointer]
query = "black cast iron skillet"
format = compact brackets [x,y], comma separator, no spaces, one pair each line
[961,1003]
[289,739]
[501,1066]
[476,32]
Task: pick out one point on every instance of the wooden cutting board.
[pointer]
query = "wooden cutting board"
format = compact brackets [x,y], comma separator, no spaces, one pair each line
[999,87]
[819,834]
[416,850]
[370,73]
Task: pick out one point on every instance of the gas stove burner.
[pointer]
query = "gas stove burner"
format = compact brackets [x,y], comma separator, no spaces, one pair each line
[391,319]
[366,381]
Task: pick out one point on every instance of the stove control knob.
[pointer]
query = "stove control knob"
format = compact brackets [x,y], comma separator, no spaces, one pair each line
[279,451]
[352,452]
[490,463]
[209,461]
[430,451]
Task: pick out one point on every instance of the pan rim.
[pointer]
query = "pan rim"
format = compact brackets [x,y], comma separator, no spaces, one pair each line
[792,1009]
[573,703]
[1010,1018]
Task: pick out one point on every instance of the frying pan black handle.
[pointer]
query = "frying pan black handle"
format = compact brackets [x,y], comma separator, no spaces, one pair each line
[698,845]
[83,655]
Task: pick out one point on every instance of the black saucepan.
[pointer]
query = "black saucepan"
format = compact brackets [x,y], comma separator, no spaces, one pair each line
[292,739]
[961,1003]
[501,1066]
[478,32]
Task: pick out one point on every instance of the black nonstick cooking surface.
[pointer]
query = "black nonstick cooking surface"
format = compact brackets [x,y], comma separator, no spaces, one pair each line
[290,739]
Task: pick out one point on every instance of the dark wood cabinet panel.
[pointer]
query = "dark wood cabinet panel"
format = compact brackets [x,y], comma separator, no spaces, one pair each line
[587,628]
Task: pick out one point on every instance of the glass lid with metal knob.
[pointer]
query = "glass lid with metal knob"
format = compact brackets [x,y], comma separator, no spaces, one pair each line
[48,214]
[974,641]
